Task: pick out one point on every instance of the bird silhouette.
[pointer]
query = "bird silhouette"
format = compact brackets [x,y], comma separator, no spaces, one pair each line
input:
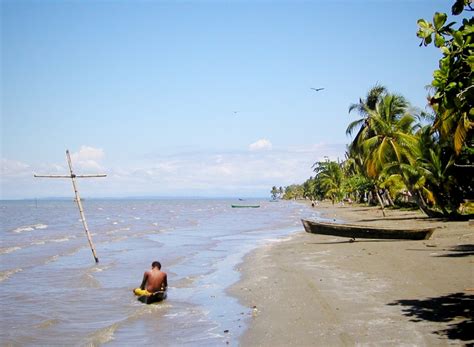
[317,89]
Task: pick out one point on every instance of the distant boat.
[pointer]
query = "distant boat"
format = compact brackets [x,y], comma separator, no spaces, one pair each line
[245,206]
[366,232]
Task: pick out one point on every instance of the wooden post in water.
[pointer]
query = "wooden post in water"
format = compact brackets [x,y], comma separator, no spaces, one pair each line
[73,177]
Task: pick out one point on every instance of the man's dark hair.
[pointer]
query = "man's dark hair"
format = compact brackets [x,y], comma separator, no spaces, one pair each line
[156,264]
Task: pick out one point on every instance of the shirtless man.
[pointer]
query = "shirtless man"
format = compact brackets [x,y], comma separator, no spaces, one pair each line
[154,280]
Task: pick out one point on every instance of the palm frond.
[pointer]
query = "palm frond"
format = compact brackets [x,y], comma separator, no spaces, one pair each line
[353,125]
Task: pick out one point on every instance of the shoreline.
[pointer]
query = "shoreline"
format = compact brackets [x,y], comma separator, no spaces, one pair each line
[323,290]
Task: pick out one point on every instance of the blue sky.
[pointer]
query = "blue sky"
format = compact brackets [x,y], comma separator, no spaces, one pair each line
[194,98]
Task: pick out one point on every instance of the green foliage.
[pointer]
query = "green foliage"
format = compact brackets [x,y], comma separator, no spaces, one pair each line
[294,191]
[329,180]
[448,165]
[453,81]
[355,186]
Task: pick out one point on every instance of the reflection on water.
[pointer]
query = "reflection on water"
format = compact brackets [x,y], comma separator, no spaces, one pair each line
[52,292]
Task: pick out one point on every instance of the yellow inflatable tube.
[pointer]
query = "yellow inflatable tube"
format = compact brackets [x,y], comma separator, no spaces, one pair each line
[141,292]
[148,298]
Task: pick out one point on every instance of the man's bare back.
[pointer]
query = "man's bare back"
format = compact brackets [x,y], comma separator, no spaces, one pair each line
[155,280]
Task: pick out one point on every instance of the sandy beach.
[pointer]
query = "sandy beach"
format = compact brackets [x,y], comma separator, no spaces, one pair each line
[314,290]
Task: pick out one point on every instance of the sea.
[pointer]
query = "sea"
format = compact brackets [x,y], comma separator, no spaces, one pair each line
[53,293]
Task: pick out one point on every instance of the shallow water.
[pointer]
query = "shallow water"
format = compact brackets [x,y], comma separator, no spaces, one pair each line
[53,293]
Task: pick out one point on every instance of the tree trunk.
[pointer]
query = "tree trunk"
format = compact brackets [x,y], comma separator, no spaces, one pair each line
[380,201]
[389,198]
[424,207]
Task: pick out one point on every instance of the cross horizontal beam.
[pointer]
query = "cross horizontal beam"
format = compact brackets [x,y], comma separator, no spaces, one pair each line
[71,176]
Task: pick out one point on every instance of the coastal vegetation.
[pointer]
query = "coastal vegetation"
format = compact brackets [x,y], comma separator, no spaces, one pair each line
[400,155]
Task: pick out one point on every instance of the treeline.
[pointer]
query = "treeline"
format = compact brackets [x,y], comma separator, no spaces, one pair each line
[399,155]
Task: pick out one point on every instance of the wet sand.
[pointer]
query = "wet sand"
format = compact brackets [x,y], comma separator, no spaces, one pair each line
[315,290]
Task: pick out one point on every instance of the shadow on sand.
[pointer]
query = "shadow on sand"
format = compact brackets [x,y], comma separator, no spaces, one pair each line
[456,310]
[452,252]
[459,251]
[347,240]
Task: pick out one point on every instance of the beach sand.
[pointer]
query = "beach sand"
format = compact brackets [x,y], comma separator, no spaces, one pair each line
[315,290]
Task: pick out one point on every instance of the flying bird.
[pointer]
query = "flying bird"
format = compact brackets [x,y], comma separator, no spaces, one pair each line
[317,89]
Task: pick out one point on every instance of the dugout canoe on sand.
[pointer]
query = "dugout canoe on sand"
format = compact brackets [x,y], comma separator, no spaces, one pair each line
[366,232]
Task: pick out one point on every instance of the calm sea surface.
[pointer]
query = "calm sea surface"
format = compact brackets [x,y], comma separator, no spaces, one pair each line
[53,293]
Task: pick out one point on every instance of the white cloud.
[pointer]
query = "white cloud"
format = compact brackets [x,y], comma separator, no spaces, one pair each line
[262,144]
[192,174]
[226,173]
[10,168]
[87,158]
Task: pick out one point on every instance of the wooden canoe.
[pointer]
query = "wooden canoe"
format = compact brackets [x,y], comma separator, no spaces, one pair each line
[366,232]
[245,206]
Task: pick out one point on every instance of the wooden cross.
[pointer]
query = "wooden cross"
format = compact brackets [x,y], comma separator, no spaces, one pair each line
[73,177]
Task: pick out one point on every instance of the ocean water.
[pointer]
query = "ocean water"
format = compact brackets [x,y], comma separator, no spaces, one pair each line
[53,293]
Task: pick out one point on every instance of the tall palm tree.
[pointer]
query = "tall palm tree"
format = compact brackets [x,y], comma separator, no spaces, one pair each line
[363,107]
[389,136]
[385,137]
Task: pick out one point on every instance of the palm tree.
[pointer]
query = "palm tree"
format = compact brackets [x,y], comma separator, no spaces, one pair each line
[389,136]
[274,192]
[331,179]
[363,108]
[386,136]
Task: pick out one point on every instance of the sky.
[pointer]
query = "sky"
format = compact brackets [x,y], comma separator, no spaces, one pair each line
[194,98]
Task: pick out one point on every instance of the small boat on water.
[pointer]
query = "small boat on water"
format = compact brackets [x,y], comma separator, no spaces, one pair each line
[245,206]
[366,232]
[150,298]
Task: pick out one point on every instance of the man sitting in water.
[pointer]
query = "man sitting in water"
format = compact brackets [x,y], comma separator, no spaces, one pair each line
[154,280]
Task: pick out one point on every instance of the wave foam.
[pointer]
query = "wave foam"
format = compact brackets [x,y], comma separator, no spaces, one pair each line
[64,239]
[4,275]
[30,227]
[9,250]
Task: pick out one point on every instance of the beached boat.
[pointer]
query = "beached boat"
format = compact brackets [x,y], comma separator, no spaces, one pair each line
[366,232]
[245,206]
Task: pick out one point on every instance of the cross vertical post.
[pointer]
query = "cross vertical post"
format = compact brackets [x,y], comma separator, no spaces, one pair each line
[79,205]
[73,177]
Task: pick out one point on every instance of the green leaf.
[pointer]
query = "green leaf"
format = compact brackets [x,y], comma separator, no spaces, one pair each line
[468,29]
[425,30]
[451,86]
[439,40]
[470,61]
[458,39]
[439,19]
[439,75]
[428,40]
[444,64]
[458,7]
[445,50]
[423,23]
